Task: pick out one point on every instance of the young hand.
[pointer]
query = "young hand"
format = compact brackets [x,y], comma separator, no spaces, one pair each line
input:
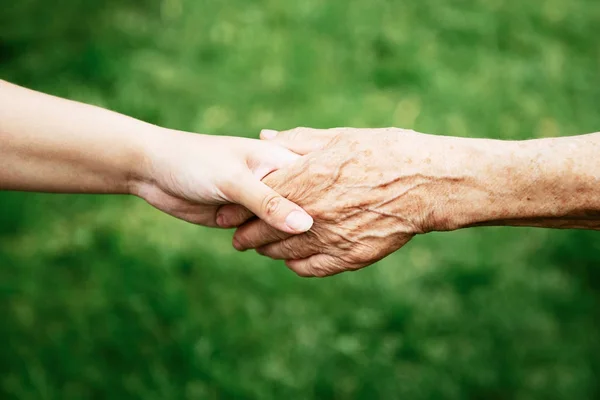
[189,176]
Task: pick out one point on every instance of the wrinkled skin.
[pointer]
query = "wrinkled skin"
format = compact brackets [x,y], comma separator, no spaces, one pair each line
[369,193]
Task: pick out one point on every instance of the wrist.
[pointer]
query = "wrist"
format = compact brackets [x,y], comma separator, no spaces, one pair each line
[486,183]
[145,152]
[520,183]
[443,179]
[164,158]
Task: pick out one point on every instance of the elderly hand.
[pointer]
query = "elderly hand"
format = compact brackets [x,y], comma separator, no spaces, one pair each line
[369,192]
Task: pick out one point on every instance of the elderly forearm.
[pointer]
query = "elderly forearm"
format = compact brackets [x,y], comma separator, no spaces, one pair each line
[553,183]
[56,145]
[371,193]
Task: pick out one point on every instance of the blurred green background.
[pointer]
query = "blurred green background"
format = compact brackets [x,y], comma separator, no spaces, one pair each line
[104,297]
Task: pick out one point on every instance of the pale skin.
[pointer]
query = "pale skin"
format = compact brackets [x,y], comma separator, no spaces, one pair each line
[370,191]
[48,144]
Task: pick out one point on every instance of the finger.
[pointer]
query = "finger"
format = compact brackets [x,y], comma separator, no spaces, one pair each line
[300,140]
[233,215]
[255,234]
[201,215]
[295,248]
[269,206]
[319,265]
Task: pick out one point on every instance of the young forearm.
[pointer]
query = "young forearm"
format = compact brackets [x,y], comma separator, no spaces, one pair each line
[553,183]
[55,145]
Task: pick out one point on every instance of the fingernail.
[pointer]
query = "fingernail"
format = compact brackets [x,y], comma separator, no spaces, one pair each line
[268,134]
[221,221]
[299,221]
[237,245]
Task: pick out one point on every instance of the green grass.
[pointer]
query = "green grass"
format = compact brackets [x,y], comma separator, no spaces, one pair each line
[107,298]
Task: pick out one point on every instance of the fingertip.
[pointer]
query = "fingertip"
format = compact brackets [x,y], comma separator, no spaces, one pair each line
[221,221]
[268,134]
[236,244]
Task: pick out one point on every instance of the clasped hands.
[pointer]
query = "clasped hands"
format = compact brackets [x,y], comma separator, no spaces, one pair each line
[347,181]
[336,200]
[369,192]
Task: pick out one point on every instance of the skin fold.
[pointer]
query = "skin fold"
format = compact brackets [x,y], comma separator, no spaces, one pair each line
[372,190]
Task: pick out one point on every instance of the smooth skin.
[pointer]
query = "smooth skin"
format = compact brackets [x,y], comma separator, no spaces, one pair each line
[370,191]
[48,144]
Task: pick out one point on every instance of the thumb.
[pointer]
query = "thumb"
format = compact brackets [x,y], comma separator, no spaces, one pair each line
[300,140]
[271,207]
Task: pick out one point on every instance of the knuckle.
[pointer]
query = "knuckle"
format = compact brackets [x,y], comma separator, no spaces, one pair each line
[271,204]
[290,250]
[319,171]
